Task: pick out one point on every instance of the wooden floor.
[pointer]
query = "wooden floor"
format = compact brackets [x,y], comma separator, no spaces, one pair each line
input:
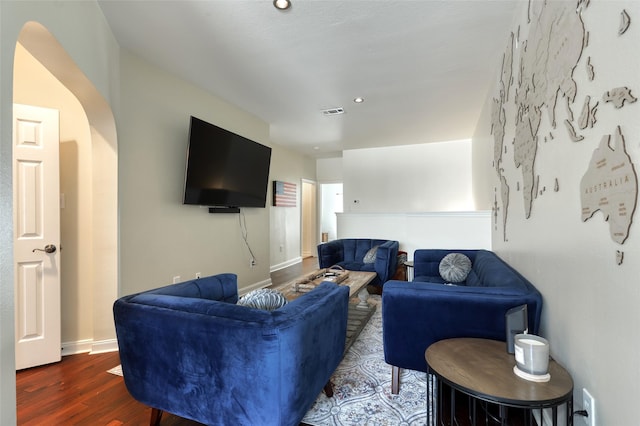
[79,391]
[284,275]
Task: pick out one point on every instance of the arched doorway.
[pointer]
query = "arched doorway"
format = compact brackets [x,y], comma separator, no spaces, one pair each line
[96,274]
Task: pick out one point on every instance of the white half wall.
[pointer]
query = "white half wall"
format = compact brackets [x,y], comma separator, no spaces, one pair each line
[441,230]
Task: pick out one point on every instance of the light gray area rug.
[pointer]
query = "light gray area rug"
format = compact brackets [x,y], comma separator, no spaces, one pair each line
[362,387]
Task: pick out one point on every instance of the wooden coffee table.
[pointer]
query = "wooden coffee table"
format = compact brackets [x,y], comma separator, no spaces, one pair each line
[356,280]
[359,312]
[483,369]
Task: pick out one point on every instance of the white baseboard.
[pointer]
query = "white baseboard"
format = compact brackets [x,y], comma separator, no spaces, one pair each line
[89,345]
[110,345]
[286,264]
[261,284]
[78,347]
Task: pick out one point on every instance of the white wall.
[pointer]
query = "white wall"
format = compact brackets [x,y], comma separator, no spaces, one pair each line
[160,237]
[285,224]
[442,230]
[419,195]
[590,312]
[329,170]
[411,178]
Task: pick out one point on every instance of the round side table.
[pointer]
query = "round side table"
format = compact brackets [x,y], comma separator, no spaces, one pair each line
[483,369]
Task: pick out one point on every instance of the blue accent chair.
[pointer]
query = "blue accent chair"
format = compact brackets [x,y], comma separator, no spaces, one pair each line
[421,312]
[349,253]
[190,350]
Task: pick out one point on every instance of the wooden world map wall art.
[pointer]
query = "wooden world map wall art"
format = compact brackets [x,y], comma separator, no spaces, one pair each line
[548,58]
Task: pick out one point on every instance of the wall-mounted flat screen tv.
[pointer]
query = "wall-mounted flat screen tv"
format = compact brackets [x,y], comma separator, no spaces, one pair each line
[225,169]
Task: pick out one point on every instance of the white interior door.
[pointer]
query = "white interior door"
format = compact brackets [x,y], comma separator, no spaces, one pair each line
[308,225]
[36,206]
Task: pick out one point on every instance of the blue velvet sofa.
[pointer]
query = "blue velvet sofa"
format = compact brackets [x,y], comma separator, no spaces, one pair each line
[350,252]
[421,312]
[190,350]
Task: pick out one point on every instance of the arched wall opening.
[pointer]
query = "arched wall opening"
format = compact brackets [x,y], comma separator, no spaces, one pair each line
[98,283]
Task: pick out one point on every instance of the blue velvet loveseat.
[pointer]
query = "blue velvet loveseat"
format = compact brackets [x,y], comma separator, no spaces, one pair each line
[421,312]
[350,253]
[190,350]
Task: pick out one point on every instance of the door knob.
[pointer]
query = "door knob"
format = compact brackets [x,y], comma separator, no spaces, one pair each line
[49,248]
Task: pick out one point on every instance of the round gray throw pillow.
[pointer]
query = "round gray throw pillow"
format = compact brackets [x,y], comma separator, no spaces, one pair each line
[370,256]
[264,298]
[455,267]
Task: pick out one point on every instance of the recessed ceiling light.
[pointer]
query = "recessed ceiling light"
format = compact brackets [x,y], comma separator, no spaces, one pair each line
[282,4]
[316,148]
[358,100]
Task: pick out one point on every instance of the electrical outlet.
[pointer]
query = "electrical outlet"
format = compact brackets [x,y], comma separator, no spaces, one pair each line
[589,405]
[176,279]
[252,263]
[198,275]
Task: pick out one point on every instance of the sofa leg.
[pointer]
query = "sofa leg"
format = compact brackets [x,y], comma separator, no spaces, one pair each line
[156,415]
[395,379]
[328,389]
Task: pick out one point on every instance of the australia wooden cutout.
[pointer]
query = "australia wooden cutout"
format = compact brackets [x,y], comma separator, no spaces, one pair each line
[610,185]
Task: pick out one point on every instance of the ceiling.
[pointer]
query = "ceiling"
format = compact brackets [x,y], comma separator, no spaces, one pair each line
[423,67]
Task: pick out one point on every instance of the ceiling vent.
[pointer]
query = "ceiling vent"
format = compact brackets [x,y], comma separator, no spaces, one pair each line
[333,111]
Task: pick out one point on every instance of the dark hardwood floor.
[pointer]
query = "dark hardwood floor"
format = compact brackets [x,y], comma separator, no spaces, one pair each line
[283,275]
[79,391]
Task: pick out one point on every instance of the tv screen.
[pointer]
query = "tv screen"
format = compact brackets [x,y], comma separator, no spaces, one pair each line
[225,169]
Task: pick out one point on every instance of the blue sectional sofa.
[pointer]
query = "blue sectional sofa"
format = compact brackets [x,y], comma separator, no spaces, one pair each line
[349,253]
[421,312]
[189,349]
